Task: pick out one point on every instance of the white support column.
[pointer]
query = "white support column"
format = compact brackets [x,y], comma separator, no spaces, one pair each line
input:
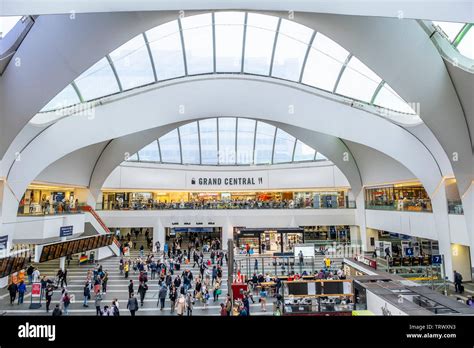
[440,212]
[468,207]
[227,233]
[360,220]
[158,234]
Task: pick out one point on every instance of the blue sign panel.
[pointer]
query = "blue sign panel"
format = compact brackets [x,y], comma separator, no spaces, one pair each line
[65,231]
[436,259]
[409,251]
[3,242]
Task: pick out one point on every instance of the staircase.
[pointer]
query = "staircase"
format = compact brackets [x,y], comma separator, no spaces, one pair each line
[99,225]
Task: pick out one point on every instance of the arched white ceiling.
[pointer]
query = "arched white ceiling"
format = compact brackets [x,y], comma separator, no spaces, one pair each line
[447,10]
[393,35]
[160,106]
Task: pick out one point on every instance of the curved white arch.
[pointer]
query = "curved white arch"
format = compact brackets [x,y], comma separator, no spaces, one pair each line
[160,106]
[113,154]
[428,81]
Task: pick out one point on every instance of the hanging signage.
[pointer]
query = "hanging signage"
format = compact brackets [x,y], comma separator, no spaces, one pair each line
[436,259]
[65,231]
[3,242]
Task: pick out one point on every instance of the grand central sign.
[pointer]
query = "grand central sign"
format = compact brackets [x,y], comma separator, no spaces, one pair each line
[227,180]
[241,181]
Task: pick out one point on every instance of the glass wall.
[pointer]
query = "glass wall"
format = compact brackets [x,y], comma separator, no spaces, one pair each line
[338,233]
[226,200]
[398,197]
[39,200]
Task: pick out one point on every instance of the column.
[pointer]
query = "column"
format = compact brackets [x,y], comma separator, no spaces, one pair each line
[158,234]
[85,196]
[440,212]
[468,207]
[227,233]
[360,221]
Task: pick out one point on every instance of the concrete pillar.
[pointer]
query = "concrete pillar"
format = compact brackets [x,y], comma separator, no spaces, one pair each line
[468,207]
[227,233]
[158,234]
[85,196]
[360,219]
[440,212]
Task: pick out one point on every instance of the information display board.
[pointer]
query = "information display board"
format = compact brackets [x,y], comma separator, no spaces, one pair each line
[60,249]
[14,263]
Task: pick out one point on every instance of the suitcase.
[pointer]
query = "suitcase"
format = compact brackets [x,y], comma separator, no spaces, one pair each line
[461,288]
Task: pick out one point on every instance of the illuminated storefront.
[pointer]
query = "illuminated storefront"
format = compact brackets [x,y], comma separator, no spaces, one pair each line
[409,197]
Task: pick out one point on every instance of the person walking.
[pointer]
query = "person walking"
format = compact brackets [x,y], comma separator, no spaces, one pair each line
[105,279]
[162,296]
[263,299]
[228,305]
[216,291]
[21,291]
[189,304]
[181,305]
[57,311]
[87,294]
[115,308]
[130,288]
[223,311]
[64,281]
[142,289]
[458,287]
[97,302]
[66,301]
[49,295]
[132,304]
[126,268]
[12,289]
[173,297]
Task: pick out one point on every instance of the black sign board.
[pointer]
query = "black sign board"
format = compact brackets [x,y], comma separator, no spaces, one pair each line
[61,249]
[14,263]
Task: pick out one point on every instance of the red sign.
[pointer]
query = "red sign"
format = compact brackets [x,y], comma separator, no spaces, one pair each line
[36,289]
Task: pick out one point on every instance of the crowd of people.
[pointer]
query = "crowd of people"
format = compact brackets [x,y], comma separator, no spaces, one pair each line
[175,278]
[225,204]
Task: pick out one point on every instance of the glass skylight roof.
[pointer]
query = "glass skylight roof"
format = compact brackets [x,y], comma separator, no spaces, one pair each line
[233,42]
[7,23]
[460,35]
[227,141]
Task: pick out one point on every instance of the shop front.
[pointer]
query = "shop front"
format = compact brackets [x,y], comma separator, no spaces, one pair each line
[186,235]
[40,199]
[324,234]
[408,197]
[268,240]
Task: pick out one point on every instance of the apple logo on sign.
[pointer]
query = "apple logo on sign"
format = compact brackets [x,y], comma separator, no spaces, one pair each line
[193,181]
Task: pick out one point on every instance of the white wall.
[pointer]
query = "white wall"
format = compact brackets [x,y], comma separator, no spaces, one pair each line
[457,226]
[153,176]
[42,227]
[375,304]
[409,223]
